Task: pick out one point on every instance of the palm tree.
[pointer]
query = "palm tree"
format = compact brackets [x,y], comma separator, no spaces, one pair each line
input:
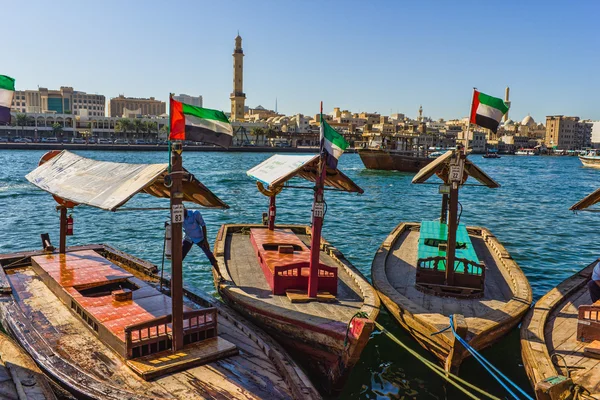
[151,127]
[57,129]
[138,126]
[258,132]
[271,133]
[123,126]
[22,121]
[164,130]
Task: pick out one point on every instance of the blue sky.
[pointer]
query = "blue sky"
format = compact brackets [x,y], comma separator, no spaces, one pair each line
[373,56]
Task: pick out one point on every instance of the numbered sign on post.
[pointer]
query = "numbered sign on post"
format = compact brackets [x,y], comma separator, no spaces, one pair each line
[177,213]
[319,210]
[456,172]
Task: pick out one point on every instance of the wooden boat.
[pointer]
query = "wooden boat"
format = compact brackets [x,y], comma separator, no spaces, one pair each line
[265,273]
[590,159]
[557,336]
[20,377]
[96,320]
[486,291]
[393,160]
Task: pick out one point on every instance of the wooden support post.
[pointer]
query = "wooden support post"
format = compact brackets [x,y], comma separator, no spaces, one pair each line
[457,350]
[272,212]
[452,225]
[62,245]
[444,215]
[176,249]
[317,225]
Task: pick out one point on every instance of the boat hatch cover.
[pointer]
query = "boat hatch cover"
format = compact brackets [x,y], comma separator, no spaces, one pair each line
[109,185]
[278,169]
[440,163]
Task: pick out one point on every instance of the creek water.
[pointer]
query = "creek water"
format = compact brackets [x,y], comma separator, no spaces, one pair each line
[528,213]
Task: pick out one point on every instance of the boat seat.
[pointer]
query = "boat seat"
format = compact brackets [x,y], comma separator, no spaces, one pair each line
[588,326]
[285,261]
[469,272]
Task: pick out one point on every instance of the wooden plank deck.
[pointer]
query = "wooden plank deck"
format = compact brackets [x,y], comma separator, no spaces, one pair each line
[251,374]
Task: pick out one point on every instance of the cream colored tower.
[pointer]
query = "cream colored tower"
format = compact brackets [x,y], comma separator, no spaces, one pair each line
[507,101]
[238,97]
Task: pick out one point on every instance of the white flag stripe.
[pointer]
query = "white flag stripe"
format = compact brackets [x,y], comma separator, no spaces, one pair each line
[6,97]
[489,112]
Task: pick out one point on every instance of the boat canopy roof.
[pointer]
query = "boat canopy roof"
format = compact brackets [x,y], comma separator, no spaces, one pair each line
[442,161]
[109,185]
[278,169]
[587,201]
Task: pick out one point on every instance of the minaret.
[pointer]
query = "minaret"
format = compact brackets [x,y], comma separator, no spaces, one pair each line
[420,113]
[238,97]
[507,102]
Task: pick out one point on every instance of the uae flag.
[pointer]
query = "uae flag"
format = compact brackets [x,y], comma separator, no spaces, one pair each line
[487,111]
[7,90]
[332,144]
[199,124]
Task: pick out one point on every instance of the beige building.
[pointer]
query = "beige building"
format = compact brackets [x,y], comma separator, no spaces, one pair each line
[62,101]
[191,100]
[147,107]
[238,97]
[567,133]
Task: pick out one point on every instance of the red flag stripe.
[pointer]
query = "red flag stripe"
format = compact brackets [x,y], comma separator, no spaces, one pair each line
[177,121]
[474,106]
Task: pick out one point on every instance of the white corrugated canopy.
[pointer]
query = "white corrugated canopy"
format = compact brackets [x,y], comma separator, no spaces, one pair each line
[109,185]
[278,169]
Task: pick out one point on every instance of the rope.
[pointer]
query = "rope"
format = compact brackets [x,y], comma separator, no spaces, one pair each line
[451,378]
[489,367]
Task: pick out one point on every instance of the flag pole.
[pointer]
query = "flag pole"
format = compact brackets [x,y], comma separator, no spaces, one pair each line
[317,220]
[469,123]
[176,239]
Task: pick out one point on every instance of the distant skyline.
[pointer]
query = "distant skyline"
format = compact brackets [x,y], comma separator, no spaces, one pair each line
[384,57]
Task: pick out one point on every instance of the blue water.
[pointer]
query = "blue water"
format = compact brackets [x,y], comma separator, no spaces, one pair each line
[528,213]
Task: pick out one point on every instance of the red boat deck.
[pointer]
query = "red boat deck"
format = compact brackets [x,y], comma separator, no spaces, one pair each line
[84,281]
[285,261]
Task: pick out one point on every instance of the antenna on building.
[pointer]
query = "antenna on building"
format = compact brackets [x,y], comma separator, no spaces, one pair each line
[275,105]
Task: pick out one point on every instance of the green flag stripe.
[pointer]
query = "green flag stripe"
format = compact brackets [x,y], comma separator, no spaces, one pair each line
[6,82]
[334,137]
[204,113]
[493,102]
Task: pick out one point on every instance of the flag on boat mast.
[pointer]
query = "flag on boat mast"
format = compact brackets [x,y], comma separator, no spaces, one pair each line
[332,144]
[199,124]
[487,111]
[7,91]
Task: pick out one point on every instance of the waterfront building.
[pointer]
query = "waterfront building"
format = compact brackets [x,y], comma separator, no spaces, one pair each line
[567,133]
[120,106]
[62,101]
[595,128]
[238,97]
[191,100]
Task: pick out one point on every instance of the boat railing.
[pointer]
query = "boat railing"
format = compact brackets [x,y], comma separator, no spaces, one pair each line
[295,270]
[155,335]
[468,274]
[588,322]
[469,267]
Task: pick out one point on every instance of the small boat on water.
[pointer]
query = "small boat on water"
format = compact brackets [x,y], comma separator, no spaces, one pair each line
[525,152]
[103,324]
[560,336]
[486,292]
[293,283]
[20,377]
[591,158]
[491,154]
[394,160]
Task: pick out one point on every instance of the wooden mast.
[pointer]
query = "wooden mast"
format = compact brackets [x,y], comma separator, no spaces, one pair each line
[176,240]
[317,222]
[272,212]
[455,175]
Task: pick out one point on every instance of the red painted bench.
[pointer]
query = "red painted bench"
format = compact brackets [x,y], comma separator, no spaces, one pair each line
[285,261]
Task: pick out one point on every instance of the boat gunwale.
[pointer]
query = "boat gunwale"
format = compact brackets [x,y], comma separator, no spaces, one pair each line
[534,349]
[298,383]
[480,333]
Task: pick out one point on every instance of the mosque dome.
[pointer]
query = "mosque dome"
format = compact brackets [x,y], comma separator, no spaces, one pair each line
[528,121]
[509,122]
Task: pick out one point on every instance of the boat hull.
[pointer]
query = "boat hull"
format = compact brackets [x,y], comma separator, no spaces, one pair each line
[422,322]
[389,160]
[328,349]
[64,347]
[593,162]
[550,327]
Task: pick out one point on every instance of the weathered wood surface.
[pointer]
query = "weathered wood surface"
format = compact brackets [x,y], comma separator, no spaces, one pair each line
[20,377]
[314,331]
[63,346]
[550,328]
[506,299]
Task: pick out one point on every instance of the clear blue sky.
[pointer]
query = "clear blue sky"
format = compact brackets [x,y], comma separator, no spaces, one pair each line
[362,56]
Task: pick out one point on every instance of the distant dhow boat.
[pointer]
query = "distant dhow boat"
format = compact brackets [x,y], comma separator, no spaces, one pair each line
[560,336]
[485,290]
[591,159]
[97,321]
[266,273]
